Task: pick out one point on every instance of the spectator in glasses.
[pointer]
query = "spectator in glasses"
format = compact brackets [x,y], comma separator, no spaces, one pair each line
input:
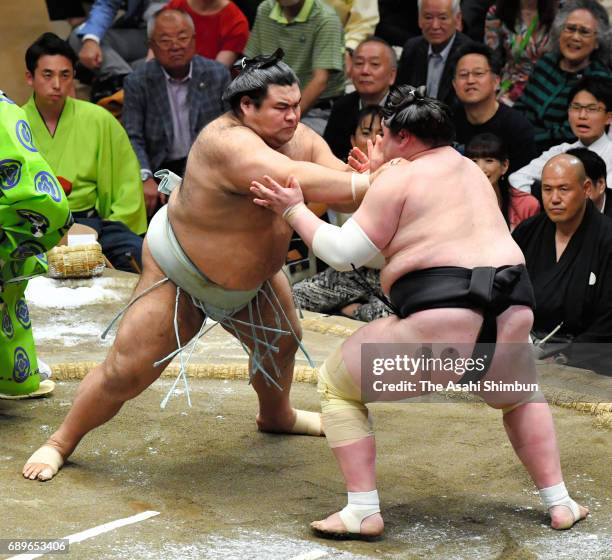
[580,39]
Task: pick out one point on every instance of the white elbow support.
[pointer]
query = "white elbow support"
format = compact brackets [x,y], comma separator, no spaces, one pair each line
[342,247]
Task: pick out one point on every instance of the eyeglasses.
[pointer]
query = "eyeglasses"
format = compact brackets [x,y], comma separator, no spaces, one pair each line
[167,43]
[589,109]
[570,29]
[478,74]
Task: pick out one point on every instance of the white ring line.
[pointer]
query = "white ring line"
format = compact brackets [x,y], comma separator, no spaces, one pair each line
[95,531]
[312,555]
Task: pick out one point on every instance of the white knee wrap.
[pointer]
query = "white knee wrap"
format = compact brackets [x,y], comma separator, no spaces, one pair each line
[345,417]
[360,505]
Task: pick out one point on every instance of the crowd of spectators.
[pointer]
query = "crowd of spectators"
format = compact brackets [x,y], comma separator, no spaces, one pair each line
[527,81]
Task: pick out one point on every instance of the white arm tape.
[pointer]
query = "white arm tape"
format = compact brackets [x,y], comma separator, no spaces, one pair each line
[359,183]
[341,247]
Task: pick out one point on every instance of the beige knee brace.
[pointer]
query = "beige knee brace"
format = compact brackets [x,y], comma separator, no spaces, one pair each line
[345,417]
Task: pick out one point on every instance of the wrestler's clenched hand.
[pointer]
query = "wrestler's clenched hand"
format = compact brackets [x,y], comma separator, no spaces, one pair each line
[270,194]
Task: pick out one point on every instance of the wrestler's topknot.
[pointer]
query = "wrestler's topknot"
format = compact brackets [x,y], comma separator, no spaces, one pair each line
[256,74]
[409,108]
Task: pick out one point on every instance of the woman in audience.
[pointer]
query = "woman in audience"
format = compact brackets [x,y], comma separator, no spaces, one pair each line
[221,29]
[581,46]
[488,152]
[518,32]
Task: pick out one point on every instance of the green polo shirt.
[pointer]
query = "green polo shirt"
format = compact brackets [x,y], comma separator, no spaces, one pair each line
[314,39]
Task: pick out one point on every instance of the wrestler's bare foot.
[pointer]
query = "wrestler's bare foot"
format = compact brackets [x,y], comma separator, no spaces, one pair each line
[371,527]
[53,455]
[561,517]
[299,422]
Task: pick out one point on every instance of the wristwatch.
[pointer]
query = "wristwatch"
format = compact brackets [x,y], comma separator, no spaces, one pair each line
[145,174]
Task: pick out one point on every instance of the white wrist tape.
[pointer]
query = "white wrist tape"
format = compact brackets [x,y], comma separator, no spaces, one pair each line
[359,184]
[292,211]
[360,505]
[342,247]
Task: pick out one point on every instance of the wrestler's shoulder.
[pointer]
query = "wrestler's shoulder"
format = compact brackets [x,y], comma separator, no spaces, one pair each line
[224,133]
[301,145]
[304,135]
[394,169]
[222,123]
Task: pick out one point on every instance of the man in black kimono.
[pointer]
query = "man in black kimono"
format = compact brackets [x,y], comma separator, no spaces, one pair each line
[568,251]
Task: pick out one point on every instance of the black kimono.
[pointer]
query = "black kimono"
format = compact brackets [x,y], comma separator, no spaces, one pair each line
[577,290]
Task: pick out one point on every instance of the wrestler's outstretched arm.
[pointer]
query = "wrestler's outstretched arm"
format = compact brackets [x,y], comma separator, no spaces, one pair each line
[251,157]
[358,241]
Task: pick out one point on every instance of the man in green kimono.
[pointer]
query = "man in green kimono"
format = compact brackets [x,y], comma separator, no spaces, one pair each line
[89,151]
[34,216]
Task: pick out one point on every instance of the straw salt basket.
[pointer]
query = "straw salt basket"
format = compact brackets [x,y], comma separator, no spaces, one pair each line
[78,261]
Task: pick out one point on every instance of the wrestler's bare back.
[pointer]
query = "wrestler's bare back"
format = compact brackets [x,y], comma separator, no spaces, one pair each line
[233,242]
[437,210]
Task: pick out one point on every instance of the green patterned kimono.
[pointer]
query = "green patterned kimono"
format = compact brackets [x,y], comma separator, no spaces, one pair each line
[34,216]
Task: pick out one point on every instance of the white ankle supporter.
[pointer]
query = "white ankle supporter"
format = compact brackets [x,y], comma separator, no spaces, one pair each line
[557,495]
[360,505]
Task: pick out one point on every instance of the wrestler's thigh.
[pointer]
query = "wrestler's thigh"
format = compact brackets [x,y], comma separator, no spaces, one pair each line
[455,326]
[266,312]
[514,324]
[513,361]
[146,332]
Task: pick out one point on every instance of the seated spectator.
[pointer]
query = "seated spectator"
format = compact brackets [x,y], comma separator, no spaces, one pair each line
[89,151]
[589,114]
[221,29]
[359,19]
[108,45]
[427,60]
[518,33]
[399,21]
[369,125]
[372,73]
[170,99]
[489,153]
[355,294]
[596,170]
[580,43]
[310,34]
[568,253]
[475,82]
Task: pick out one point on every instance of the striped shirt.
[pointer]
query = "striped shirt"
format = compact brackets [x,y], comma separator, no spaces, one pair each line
[545,99]
[314,39]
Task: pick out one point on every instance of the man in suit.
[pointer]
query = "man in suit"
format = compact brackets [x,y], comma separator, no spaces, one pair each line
[170,99]
[107,45]
[427,60]
[373,69]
